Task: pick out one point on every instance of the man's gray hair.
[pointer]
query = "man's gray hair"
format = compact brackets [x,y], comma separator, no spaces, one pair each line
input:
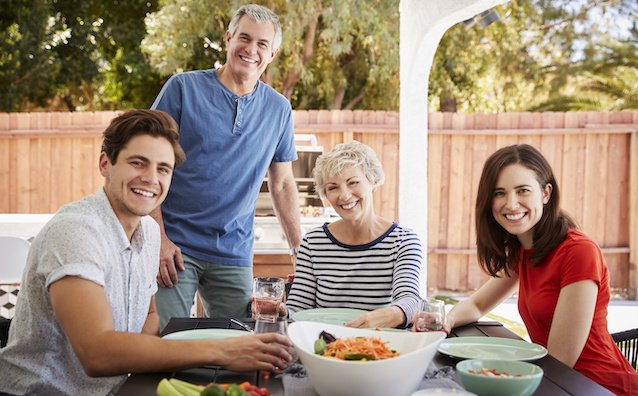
[353,154]
[259,14]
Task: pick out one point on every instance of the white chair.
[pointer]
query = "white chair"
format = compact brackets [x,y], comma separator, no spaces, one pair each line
[13,259]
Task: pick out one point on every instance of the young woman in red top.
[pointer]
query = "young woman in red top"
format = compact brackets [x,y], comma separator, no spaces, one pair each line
[526,242]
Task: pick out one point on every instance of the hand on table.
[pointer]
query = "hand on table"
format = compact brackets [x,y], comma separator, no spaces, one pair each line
[382,317]
[170,255]
[266,352]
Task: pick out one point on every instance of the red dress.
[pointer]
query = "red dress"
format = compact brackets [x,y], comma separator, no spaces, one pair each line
[577,258]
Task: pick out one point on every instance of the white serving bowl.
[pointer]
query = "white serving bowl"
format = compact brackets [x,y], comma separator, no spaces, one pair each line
[397,376]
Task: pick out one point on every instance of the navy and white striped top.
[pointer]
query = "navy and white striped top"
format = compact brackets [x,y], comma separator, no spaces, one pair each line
[382,273]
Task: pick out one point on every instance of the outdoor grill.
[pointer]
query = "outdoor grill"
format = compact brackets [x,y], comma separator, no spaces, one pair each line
[269,236]
[307,152]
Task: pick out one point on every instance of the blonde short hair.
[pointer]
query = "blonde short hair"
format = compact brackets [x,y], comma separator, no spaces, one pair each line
[352,154]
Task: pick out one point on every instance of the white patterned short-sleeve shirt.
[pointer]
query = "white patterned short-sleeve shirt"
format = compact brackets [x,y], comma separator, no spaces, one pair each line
[83,239]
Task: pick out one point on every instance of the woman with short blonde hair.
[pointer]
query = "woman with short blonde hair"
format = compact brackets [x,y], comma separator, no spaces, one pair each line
[361,260]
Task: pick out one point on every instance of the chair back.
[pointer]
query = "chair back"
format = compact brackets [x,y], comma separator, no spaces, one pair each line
[13,259]
[4,331]
[627,342]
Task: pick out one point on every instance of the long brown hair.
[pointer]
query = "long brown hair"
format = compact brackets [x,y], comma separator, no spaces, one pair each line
[499,250]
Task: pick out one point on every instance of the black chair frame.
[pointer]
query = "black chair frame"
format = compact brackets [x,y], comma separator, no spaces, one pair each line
[4,331]
[627,342]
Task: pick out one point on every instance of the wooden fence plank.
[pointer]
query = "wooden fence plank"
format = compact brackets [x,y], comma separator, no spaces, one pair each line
[633,215]
[5,172]
[23,183]
[390,192]
[435,169]
[455,267]
[441,236]
[41,172]
[595,186]
[61,181]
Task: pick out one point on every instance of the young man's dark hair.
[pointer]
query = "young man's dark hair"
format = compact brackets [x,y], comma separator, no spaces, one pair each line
[155,123]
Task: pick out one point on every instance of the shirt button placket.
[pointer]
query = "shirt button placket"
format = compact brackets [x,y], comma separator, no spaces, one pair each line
[238,117]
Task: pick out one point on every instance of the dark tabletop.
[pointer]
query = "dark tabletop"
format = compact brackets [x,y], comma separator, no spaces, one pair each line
[146,384]
[558,379]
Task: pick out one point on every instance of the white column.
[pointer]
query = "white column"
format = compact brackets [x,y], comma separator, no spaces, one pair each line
[422,26]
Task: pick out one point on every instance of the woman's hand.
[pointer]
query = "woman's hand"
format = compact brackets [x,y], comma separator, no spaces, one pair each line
[382,317]
[281,308]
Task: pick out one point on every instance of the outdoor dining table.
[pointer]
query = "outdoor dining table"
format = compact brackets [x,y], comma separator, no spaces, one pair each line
[558,379]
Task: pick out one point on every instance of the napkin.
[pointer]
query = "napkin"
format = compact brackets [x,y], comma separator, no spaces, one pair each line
[297,383]
[441,377]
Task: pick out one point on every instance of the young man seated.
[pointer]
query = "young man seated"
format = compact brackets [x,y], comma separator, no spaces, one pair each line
[85,315]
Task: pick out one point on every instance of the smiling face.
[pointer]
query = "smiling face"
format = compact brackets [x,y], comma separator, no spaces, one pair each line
[517,203]
[250,49]
[350,194]
[139,180]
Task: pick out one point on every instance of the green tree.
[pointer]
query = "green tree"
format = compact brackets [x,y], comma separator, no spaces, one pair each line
[75,55]
[605,79]
[490,69]
[103,63]
[535,56]
[27,66]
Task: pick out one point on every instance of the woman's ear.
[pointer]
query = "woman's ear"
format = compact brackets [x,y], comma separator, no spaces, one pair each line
[547,193]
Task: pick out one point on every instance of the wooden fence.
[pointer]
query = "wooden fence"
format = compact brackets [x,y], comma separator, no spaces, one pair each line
[49,159]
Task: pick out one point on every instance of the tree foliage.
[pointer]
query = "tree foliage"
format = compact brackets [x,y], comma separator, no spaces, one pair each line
[605,78]
[26,66]
[69,54]
[541,55]
[112,54]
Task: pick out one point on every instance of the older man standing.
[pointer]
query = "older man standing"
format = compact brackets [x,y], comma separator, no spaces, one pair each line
[234,129]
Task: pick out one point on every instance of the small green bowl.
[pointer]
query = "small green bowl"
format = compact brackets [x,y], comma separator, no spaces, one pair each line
[482,385]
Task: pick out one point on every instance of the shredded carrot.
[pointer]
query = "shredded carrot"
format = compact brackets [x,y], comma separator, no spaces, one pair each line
[371,346]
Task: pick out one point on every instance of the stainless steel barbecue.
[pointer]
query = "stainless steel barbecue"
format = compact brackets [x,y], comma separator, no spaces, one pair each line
[307,152]
[269,236]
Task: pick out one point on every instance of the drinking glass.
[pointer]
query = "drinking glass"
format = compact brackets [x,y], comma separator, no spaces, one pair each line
[267,294]
[280,326]
[431,315]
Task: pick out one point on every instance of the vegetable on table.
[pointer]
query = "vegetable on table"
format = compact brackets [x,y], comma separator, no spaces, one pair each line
[353,348]
[175,387]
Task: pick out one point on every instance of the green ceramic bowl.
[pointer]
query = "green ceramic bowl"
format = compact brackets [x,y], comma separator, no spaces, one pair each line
[523,380]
